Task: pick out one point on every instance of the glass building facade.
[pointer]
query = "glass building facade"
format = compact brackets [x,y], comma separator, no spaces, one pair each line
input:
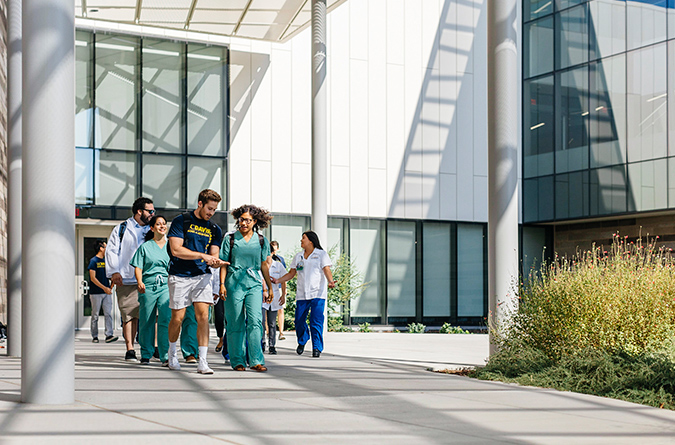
[151,120]
[597,83]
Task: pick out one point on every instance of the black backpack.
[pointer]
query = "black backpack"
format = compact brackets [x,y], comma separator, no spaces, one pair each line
[260,238]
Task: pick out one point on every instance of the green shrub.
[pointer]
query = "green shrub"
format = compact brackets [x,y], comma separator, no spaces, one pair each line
[416,328]
[447,328]
[618,301]
[365,327]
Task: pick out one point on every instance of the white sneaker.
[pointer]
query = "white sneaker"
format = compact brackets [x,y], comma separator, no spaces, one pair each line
[203,367]
[173,362]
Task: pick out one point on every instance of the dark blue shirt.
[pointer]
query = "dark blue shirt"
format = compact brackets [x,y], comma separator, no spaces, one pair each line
[98,265]
[198,238]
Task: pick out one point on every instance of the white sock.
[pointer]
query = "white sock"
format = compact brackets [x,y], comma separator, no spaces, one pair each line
[172,348]
[203,350]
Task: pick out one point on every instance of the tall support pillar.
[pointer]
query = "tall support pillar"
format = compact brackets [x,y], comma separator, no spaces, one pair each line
[319,122]
[48,361]
[503,127]
[14,178]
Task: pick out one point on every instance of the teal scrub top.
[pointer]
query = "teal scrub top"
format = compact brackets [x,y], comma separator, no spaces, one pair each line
[152,260]
[247,258]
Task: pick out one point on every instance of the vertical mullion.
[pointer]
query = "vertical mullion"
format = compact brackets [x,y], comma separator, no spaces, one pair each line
[419,272]
[183,124]
[453,273]
[139,114]
[226,124]
[92,139]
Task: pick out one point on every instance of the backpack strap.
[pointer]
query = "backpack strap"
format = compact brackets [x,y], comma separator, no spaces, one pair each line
[187,221]
[262,240]
[229,258]
[122,229]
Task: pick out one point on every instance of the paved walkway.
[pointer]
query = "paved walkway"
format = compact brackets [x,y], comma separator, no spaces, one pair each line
[367,388]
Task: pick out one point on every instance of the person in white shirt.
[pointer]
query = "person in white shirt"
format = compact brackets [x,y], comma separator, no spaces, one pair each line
[312,266]
[123,242]
[277,270]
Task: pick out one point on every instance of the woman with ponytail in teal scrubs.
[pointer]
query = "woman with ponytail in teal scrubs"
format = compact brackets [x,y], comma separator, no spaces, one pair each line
[151,263]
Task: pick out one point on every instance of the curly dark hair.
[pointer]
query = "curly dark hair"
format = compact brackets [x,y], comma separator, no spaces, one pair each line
[261,216]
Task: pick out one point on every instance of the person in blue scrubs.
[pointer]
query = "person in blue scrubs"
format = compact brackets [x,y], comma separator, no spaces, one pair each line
[312,267]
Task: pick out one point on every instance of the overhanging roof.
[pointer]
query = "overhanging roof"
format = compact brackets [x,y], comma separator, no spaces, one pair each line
[270,20]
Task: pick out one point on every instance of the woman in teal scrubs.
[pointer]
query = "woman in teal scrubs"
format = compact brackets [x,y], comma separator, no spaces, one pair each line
[151,263]
[241,286]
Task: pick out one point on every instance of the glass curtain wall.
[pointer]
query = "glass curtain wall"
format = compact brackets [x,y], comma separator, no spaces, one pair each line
[151,120]
[596,121]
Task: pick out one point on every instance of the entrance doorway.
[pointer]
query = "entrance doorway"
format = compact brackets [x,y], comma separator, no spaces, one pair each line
[87,235]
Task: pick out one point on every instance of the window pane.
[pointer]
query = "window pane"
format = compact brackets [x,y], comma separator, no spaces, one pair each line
[207,97]
[646,22]
[671,19]
[608,28]
[572,37]
[538,127]
[564,4]
[205,173]
[401,260]
[115,178]
[336,227]
[116,89]
[538,199]
[647,103]
[83,89]
[608,190]
[366,249]
[671,182]
[571,195]
[537,8]
[470,271]
[163,179]
[671,103]
[84,176]
[161,96]
[534,241]
[287,231]
[608,112]
[572,120]
[436,269]
[538,44]
[646,181]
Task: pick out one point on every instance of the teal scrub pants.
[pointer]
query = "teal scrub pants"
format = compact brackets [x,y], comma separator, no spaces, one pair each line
[154,305]
[188,334]
[243,312]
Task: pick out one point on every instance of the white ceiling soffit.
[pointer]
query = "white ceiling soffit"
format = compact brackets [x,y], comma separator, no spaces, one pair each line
[270,20]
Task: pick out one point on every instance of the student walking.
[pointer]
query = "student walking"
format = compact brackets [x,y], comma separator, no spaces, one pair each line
[194,242]
[276,270]
[312,266]
[274,247]
[246,251]
[123,242]
[100,294]
[151,263]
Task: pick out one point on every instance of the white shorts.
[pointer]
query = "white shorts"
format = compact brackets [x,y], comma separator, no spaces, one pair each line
[183,291]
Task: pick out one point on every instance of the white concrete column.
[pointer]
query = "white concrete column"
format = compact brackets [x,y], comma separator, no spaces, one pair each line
[14,178]
[319,122]
[48,360]
[503,127]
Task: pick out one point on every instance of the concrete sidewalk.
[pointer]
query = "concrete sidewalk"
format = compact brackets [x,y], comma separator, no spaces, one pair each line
[366,388]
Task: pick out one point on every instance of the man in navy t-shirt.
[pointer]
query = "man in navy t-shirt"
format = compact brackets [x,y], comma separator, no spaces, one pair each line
[194,246]
[100,294]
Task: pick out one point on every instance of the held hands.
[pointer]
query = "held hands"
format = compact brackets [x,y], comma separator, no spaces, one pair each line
[141,288]
[267,296]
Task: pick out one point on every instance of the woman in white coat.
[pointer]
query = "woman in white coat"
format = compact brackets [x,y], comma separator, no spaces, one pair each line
[312,267]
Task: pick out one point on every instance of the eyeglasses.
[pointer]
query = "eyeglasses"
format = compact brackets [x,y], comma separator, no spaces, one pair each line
[245,220]
[150,211]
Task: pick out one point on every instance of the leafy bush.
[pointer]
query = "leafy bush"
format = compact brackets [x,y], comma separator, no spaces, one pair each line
[447,328]
[365,327]
[416,328]
[618,301]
